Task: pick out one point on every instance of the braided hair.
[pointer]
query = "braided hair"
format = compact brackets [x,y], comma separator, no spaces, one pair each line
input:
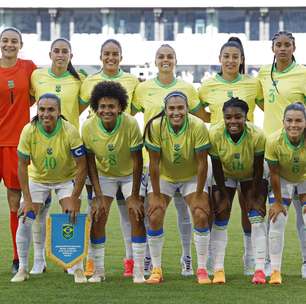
[276,36]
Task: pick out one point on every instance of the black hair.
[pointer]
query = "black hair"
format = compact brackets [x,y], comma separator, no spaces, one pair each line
[296,106]
[48,96]
[161,114]
[13,29]
[277,35]
[114,41]
[167,46]
[109,89]
[70,67]
[236,43]
[235,102]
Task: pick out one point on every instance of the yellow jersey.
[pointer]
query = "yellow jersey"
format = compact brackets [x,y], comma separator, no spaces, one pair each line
[66,87]
[237,158]
[51,154]
[291,159]
[178,150]
[291,86]
[113,149]
[215,91]
[128,81]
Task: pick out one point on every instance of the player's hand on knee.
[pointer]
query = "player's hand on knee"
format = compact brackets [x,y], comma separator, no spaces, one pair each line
[28,207]
[135,205]
[275,210]
[156,202]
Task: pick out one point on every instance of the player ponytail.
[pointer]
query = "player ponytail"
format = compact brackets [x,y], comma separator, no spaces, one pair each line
[277,35]
[70,67]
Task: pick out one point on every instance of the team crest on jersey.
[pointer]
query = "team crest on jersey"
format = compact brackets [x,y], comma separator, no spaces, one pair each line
[236,155]
[49,151]
[176,147]
[67,230]
[229,94]
[296,159]
[110,147]
[58,88]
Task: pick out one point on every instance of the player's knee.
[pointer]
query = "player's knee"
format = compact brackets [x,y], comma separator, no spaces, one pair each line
[156,218]
[200,216]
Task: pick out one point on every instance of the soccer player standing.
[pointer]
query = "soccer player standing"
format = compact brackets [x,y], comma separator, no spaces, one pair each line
[15,105]
[283,83]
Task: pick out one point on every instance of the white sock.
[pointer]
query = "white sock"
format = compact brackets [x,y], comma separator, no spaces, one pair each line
[98,253]
[23,241]
[78,265]
[39,236]
[276,241]
[259,238]
[201,242]
[248,247]
[146,223]
[156,243]
[184,223]
[125,228]
[138,257]
[218,237]
[300,226]
[267,223]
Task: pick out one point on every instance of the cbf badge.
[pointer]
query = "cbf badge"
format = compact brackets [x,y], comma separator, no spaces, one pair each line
[67,243]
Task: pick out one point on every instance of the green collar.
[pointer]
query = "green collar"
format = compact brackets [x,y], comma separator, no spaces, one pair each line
[290,145]
[287,69]
[221,79]
[228,136]
[165,85]
[117,125]
[65,74]
[181,131]
[55,130]
[104,76]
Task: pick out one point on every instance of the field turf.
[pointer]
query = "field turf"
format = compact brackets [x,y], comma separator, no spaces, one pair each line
[57,287]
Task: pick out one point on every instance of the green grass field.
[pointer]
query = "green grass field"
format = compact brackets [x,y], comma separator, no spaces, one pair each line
[57,287]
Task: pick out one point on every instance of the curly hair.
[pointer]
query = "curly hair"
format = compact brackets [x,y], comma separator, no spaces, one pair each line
[108,89]
[236,103]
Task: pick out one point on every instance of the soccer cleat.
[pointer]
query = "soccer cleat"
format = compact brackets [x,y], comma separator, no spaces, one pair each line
[38,268]
[15,266]
[147,266]
[219,277]
[276,277]
[20,276]
[186,263]
[210,265]
[303,270]
[248,266]
[202,276]
[97,277]
[156,276]
[128,267]
[138,279]
[259,277]
[79,276]
[70,271]
[89,268]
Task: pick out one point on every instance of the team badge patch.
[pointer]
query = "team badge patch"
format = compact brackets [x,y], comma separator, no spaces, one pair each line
[67,230]
[58,88]
[49,151]
[237,155]
[110,147]
[176,147]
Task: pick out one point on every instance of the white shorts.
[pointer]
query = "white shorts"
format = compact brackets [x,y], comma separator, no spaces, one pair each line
[88,181]
[184,188]
[110,185]
[287,189]
[40,192]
